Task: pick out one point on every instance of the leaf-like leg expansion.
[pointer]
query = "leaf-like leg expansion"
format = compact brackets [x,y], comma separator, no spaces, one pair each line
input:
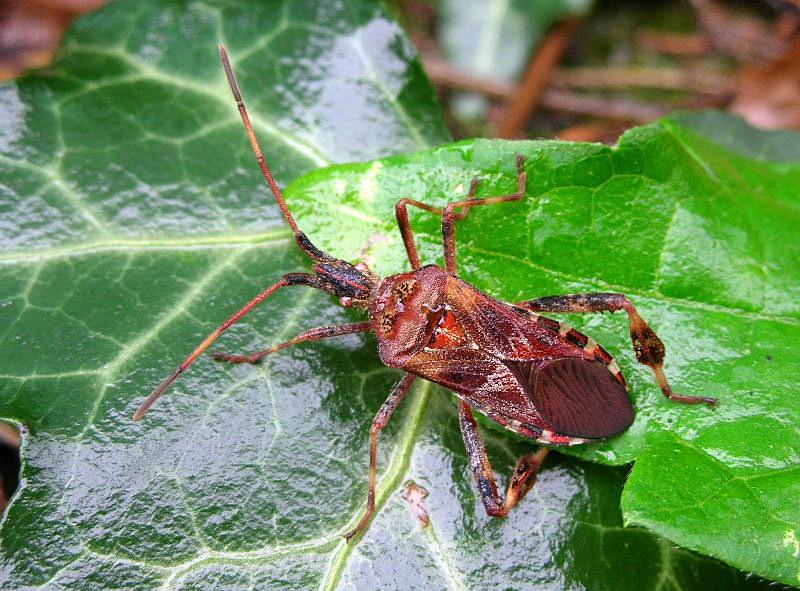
[315,334]
[449,215]
[648,347]
[522,480]
[379,422]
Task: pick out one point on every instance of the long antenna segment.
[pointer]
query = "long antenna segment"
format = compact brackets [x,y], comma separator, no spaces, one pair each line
[251,135]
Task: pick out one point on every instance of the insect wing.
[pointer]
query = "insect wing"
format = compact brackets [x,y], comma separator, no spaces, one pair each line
[578,398]
[484,382]
[519,372]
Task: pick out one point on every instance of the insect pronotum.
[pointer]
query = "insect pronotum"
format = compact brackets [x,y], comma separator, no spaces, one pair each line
[536,376]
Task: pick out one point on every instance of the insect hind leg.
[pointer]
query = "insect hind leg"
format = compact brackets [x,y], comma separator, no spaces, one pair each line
[648,347]
[522,480]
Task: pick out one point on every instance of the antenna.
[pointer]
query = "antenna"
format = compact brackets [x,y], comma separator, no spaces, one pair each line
[251,135]
[337,277]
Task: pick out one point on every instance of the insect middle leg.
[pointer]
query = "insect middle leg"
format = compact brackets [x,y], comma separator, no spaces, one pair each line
[450,214]
[379,422]
[648,347]
[522,480]
[315,334]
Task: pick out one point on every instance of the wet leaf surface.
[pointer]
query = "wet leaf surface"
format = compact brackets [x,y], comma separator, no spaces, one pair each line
[134,221]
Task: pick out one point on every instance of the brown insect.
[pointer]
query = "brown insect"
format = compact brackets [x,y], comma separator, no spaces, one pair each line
[536,376]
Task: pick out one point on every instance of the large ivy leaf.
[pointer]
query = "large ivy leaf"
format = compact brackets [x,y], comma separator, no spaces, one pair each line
[701,235]
[134,221]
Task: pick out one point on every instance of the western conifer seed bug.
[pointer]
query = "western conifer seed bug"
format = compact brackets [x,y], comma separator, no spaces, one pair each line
[536,376]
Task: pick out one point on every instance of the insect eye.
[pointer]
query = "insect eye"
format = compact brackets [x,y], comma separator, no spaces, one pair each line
[387,322]
[404,289]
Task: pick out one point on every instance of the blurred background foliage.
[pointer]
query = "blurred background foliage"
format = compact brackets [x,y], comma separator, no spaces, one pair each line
[582,70]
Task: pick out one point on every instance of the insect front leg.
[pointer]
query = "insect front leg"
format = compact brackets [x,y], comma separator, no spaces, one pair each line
[648,347]
[315,334]
[285,281]
[401,214]
[449,215]
[522,480]
[453,212]
[379,422]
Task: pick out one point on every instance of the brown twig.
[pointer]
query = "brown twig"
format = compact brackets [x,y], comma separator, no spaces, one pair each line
[746,38]
[601,106]
[523,103]
[554,99]
[695,80]
[679,44]
[597,131]
[689,79]
[443,73]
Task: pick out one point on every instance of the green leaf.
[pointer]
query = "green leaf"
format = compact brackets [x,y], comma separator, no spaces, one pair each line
[134,220]
[699,230]
[496,38]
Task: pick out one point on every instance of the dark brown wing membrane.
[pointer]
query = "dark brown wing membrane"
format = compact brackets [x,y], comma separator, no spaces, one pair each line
[579,398]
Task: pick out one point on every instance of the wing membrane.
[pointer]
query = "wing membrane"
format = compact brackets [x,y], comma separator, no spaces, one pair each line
[579,398]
